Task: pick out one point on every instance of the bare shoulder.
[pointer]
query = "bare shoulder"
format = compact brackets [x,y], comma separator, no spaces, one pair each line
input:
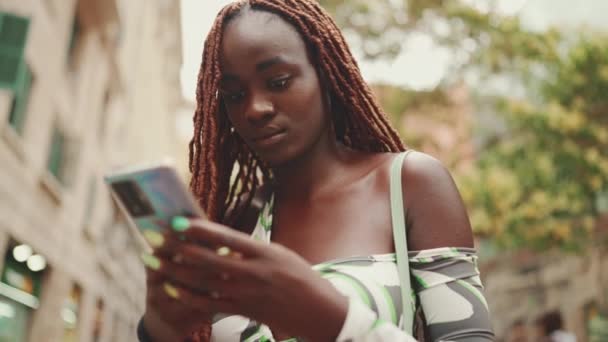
[436,215]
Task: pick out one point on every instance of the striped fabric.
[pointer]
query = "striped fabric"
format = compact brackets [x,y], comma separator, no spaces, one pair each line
[445,284]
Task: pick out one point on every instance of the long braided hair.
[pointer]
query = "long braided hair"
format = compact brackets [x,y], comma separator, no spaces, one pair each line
[216,150]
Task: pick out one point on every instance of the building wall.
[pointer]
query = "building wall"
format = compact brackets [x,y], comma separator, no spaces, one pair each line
[116,103]
[525,286]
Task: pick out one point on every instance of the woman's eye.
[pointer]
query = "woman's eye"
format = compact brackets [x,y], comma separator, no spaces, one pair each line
[279,83]
[233,97]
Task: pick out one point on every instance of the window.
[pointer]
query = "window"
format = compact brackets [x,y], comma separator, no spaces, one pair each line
[63,156]
[15,74]
[74,38]
[20,100]
[98,323]
[56,161]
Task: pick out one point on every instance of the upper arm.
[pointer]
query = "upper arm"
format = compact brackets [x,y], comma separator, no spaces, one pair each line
[435,213]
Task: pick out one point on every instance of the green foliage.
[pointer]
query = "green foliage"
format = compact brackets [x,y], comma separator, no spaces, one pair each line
[538,185]
[542,181]
[598,329]
[494,42]
[396,101]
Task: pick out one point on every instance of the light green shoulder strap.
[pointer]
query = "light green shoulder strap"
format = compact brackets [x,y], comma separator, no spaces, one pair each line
[400,240]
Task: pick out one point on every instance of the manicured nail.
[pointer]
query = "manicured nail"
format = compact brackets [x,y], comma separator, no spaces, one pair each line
[171,291]
[151,261]
[180,223]
[223,251]
[155,239]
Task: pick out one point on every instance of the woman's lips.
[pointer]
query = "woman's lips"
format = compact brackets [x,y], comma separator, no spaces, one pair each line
[269,140]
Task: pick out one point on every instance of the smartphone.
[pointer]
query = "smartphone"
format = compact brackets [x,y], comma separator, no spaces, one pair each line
[151,196]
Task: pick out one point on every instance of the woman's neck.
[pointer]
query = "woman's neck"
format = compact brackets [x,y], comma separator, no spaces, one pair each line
[311,173]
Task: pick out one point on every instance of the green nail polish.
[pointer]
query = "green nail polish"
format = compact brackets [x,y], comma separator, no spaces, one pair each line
[171,291]
[180,223]
[155,239]
[223,251]
[151,261]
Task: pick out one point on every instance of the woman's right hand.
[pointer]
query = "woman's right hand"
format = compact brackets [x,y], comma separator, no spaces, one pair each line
[165,318]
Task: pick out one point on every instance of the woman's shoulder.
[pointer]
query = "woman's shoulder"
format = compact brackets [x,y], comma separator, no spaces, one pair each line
[417,168]
[435,213]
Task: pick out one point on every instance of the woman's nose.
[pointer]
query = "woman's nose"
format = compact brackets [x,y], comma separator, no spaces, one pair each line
[260,110]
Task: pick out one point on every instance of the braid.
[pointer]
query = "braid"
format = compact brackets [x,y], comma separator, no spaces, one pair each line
[215,150]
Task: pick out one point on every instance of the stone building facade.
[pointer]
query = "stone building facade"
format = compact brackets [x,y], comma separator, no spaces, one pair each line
[524,286]
[85,86]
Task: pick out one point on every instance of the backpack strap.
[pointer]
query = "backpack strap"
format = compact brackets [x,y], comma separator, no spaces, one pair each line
[400,241]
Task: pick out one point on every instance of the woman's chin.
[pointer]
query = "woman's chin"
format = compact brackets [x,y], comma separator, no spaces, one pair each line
[277,158]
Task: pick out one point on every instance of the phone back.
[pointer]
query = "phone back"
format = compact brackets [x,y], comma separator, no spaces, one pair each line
[151,197]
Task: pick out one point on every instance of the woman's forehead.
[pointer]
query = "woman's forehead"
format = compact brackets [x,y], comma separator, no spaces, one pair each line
[255,33]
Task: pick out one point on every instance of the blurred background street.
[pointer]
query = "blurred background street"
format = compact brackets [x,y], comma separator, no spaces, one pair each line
[512,95]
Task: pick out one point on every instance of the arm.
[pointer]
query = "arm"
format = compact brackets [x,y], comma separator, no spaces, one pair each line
[443,263]
[437,218]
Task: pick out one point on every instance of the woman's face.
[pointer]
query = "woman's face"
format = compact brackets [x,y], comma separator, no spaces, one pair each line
[269,87]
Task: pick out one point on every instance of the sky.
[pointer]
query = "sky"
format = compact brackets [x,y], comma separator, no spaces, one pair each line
[423,65]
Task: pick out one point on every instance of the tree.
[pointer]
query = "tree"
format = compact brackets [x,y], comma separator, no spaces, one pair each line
[540,180]
[543,184]
[479,35]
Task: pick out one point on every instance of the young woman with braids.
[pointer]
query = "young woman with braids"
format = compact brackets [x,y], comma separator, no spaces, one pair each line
[291,160]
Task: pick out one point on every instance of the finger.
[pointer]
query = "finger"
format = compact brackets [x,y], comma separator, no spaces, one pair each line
[195,300]
[195,277]
[215,234]
[154,277]
[229,289]
[197,256]
[169,245]
[152,266]
[157,296]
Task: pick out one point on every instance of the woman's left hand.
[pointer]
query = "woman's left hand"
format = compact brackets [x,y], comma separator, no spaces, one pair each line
[264,282]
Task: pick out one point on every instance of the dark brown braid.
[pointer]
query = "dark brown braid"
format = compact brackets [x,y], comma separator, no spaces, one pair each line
[216,150]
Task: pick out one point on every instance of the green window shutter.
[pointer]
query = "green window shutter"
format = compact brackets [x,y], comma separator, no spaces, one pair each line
[20,100]
[13,36]
[56,155]
[76,29]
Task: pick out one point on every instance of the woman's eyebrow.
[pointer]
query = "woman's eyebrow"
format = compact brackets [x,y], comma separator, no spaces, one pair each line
[263,65]
[259,67]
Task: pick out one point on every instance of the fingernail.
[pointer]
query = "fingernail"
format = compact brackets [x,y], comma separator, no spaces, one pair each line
[171,291]
[180,223]
[151,261]
[223,251]
[155,239]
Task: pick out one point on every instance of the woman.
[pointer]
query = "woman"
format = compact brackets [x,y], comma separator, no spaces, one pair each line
[282,107]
